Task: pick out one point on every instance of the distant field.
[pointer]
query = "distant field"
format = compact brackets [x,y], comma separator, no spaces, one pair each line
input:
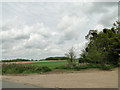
[50,64]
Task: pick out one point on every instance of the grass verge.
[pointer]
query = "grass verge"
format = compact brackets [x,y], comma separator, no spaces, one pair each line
[86,66]
[23,69]
[46,67]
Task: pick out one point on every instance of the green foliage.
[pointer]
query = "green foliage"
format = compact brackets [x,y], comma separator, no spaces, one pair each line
[106,67]
[71,55]
[81,60]
[81,67]
[15,60]
[86,66]
[103,47]
[67,66]
[45,69]
[21,68]
[56,58]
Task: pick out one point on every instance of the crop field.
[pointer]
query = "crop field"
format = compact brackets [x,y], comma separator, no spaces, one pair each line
[50,64]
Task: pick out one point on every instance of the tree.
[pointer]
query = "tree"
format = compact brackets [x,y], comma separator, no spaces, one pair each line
[83,56]
[103,47]
[71,55]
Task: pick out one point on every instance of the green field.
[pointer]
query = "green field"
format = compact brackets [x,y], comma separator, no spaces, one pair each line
[42,67]
[51,65]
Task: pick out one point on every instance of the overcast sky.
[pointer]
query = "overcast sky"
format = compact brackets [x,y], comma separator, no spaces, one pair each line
[38,30]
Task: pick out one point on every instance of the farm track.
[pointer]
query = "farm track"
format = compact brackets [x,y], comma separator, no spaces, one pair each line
[91,78]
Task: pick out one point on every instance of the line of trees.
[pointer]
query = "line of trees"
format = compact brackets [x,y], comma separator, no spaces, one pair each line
[56,58]
[16,60]
[103,47]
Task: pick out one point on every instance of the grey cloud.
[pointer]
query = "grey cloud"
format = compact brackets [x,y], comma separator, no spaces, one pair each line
[8,44]
[10,38]
[109,18]
[4,28]
[22,37]
[71,27]
[101,7]
[68,36]
[29,28]
[35,45]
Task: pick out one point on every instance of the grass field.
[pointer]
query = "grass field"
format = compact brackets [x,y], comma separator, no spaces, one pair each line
[52,65]
[46,66]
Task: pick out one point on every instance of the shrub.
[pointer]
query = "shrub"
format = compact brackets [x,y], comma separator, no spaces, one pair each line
[86,66]
[106,67]
[45,69]
[20,68]
[92,65]
[81,67]
[67,66]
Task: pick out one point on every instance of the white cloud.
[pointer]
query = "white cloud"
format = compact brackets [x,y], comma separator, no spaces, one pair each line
[36,41]
[99,27]
[70,27]
[29,37]
[38,30]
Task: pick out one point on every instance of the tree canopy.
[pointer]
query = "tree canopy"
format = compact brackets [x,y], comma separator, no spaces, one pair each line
[103,47]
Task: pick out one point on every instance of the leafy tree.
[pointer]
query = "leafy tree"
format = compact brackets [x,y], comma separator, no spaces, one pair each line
[71,55]
[83,56]
[103,47]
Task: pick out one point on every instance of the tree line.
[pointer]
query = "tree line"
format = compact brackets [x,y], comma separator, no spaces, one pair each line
[56,58]
[16,60]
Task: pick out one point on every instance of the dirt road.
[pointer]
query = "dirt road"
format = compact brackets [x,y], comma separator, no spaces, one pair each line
[8,84]
[81,79]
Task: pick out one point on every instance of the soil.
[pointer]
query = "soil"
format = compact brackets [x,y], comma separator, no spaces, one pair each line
[91,78]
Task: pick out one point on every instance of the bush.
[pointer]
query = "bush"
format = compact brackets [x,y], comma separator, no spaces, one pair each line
[20,68]
[81,67]
[92,65]
[67,66]
[86,66]
[45,69]
[71,67]
[106,67]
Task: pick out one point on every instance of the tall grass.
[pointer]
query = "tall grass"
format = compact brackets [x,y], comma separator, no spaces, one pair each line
[21,68]
[86,66]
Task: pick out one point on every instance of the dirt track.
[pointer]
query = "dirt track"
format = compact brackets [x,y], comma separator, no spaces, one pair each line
[81,79]
[7,84]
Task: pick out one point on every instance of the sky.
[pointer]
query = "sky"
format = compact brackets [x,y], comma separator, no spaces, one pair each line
[36,30]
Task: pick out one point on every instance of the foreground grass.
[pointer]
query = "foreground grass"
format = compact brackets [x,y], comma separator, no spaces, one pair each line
[23,69]
[86,66]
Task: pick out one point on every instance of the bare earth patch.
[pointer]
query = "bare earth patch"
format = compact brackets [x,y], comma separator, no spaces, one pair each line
[92,78]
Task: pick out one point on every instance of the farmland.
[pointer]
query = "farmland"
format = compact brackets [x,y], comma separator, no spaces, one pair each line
[50,64]
[31,67]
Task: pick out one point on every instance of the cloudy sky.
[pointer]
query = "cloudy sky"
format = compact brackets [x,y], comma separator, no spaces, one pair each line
[36,30]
